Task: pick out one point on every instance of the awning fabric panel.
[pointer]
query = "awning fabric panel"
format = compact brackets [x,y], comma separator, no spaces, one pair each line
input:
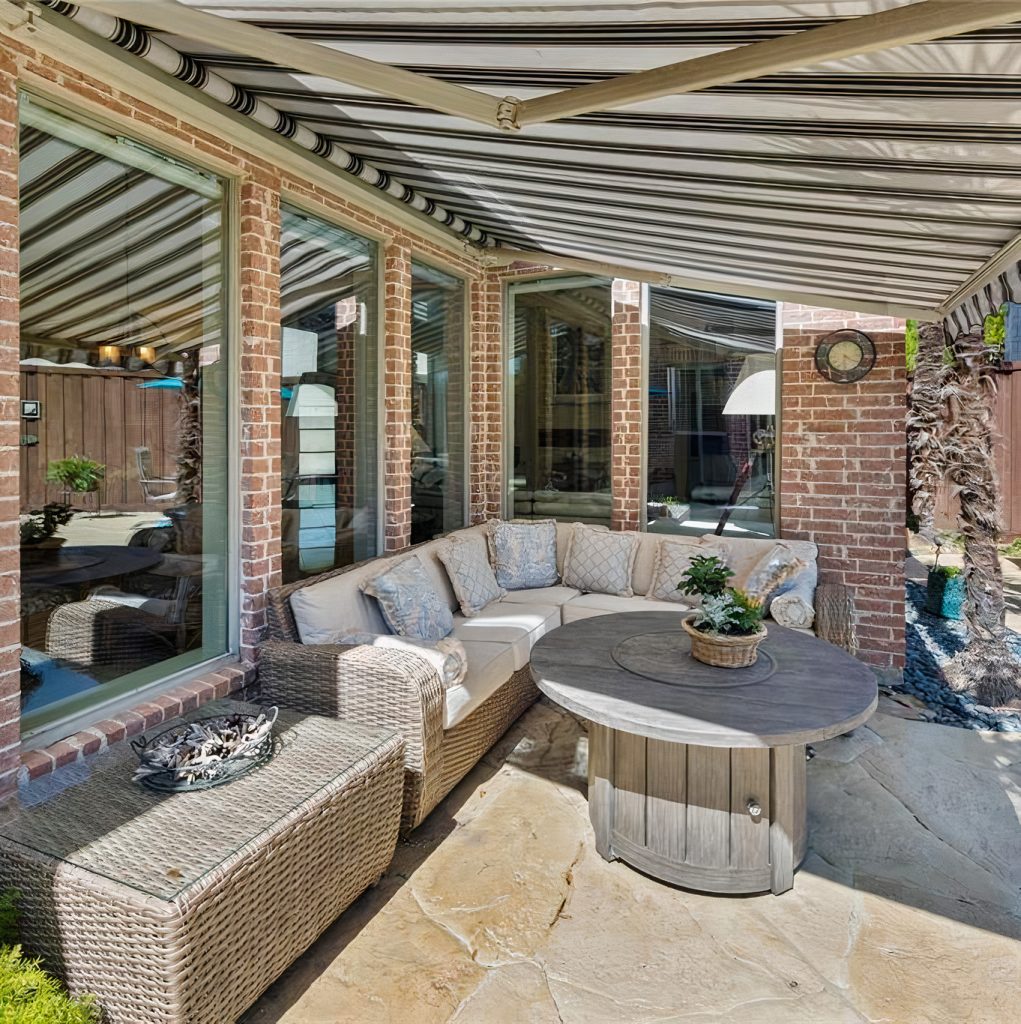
[889,177]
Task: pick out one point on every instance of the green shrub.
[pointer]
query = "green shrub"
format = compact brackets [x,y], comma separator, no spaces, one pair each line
[9,917]
[948,572]
[42,523]
[994,328]
[1013,549]
[28,995]
[911,344]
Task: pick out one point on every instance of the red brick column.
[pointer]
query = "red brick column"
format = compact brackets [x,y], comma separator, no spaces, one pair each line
[843,472]
[626,406]
[397,395]
[10,428]
[259,265]
[485,424]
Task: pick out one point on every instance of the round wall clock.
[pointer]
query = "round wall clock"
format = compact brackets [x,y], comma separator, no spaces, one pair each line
[845,356]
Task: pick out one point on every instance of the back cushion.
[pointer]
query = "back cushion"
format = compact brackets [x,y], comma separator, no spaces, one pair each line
[322,610]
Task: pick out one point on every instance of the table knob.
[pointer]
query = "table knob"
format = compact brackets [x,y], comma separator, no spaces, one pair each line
[754,808]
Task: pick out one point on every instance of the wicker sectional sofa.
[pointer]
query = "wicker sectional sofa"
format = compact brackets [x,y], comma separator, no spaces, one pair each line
[447,731]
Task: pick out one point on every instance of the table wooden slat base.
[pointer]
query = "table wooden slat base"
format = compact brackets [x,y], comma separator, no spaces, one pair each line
[680,812]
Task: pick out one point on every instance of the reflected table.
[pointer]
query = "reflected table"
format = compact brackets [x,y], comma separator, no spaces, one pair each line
[697,774]
[76,564]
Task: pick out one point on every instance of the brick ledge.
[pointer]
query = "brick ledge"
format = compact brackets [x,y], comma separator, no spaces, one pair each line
[224,681]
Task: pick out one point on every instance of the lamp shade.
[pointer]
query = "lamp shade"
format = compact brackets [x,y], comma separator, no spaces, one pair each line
[753,396]
[313,400]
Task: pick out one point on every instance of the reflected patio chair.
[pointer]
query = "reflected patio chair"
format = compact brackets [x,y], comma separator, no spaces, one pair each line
[113,632]
[155,489]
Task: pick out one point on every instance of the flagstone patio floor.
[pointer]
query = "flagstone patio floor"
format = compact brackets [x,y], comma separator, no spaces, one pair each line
[500,911]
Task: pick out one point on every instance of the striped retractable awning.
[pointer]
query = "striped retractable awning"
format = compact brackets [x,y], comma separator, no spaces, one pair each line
[890,178]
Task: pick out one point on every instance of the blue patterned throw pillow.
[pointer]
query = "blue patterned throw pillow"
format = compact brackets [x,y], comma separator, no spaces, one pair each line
[524,555]
[409,602]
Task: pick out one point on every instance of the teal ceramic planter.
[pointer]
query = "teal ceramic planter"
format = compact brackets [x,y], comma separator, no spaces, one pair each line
[944,595]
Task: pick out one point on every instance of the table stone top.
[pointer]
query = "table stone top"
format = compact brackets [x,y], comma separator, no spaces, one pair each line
[633,671]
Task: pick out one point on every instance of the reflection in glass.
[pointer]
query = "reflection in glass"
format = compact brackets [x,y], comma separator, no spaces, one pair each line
[437,403]
[711,413]
[560,374]
[328,282]
[124,384]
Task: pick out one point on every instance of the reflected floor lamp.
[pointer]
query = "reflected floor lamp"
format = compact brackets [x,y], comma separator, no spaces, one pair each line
[754,395]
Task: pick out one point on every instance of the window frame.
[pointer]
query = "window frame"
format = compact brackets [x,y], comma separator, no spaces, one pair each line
[54,722]
[540,282]
[306,207]
[466,282]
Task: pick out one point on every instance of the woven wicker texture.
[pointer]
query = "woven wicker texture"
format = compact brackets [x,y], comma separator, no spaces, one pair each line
[835,616]
[203,954]
[723,651]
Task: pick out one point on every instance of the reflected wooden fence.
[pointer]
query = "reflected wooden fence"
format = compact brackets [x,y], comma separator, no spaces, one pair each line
[103,415]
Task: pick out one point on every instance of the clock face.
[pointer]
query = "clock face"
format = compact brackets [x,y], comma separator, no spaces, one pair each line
[845,356]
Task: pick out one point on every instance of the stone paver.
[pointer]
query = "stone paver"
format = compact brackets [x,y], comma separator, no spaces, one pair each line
[499,910]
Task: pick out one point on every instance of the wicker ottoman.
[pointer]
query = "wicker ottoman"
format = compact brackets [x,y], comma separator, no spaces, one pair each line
[184,907]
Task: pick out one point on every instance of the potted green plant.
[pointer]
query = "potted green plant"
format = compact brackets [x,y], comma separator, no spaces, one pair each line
[727,629]
[945,591]
[77,474]
[39,526]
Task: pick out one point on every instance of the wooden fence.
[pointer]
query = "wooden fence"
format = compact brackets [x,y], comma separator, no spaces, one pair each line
[102,415]
[1007,422]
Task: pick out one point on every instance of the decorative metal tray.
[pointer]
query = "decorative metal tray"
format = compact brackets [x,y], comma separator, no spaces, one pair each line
[206,752]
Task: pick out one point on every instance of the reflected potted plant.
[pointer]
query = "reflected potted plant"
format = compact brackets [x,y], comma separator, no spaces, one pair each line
[727,629]
[77,474]
[945,591]
[38,527]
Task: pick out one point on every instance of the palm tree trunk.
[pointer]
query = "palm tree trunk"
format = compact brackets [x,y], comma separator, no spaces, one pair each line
[986,667]
[925,427]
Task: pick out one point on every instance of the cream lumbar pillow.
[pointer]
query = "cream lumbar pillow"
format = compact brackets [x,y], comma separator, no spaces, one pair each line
[600,562]
[467,563]
[673,559]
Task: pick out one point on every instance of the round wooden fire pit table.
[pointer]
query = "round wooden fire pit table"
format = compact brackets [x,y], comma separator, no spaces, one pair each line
[697,774]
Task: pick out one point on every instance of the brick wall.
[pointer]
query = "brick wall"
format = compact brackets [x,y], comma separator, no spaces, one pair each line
[260,192]
[397,392]
[626,406]
[10,425]
[259,293]
[843,471]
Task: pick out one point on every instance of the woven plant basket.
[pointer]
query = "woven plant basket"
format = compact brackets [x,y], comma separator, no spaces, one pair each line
[724,651]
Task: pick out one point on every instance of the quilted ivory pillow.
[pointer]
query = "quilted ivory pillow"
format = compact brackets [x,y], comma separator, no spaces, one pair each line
[467,563]
[447,656]
[524,554]
[409,601]
[672,560]
[600,562]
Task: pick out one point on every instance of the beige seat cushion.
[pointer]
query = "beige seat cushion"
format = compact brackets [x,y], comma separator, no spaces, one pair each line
[605,604]
[517,625]
[555,596]
[490,665]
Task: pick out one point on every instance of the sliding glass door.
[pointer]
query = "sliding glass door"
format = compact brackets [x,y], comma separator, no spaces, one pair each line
[710,437]
[558,398]
[328,289]
[438,452]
